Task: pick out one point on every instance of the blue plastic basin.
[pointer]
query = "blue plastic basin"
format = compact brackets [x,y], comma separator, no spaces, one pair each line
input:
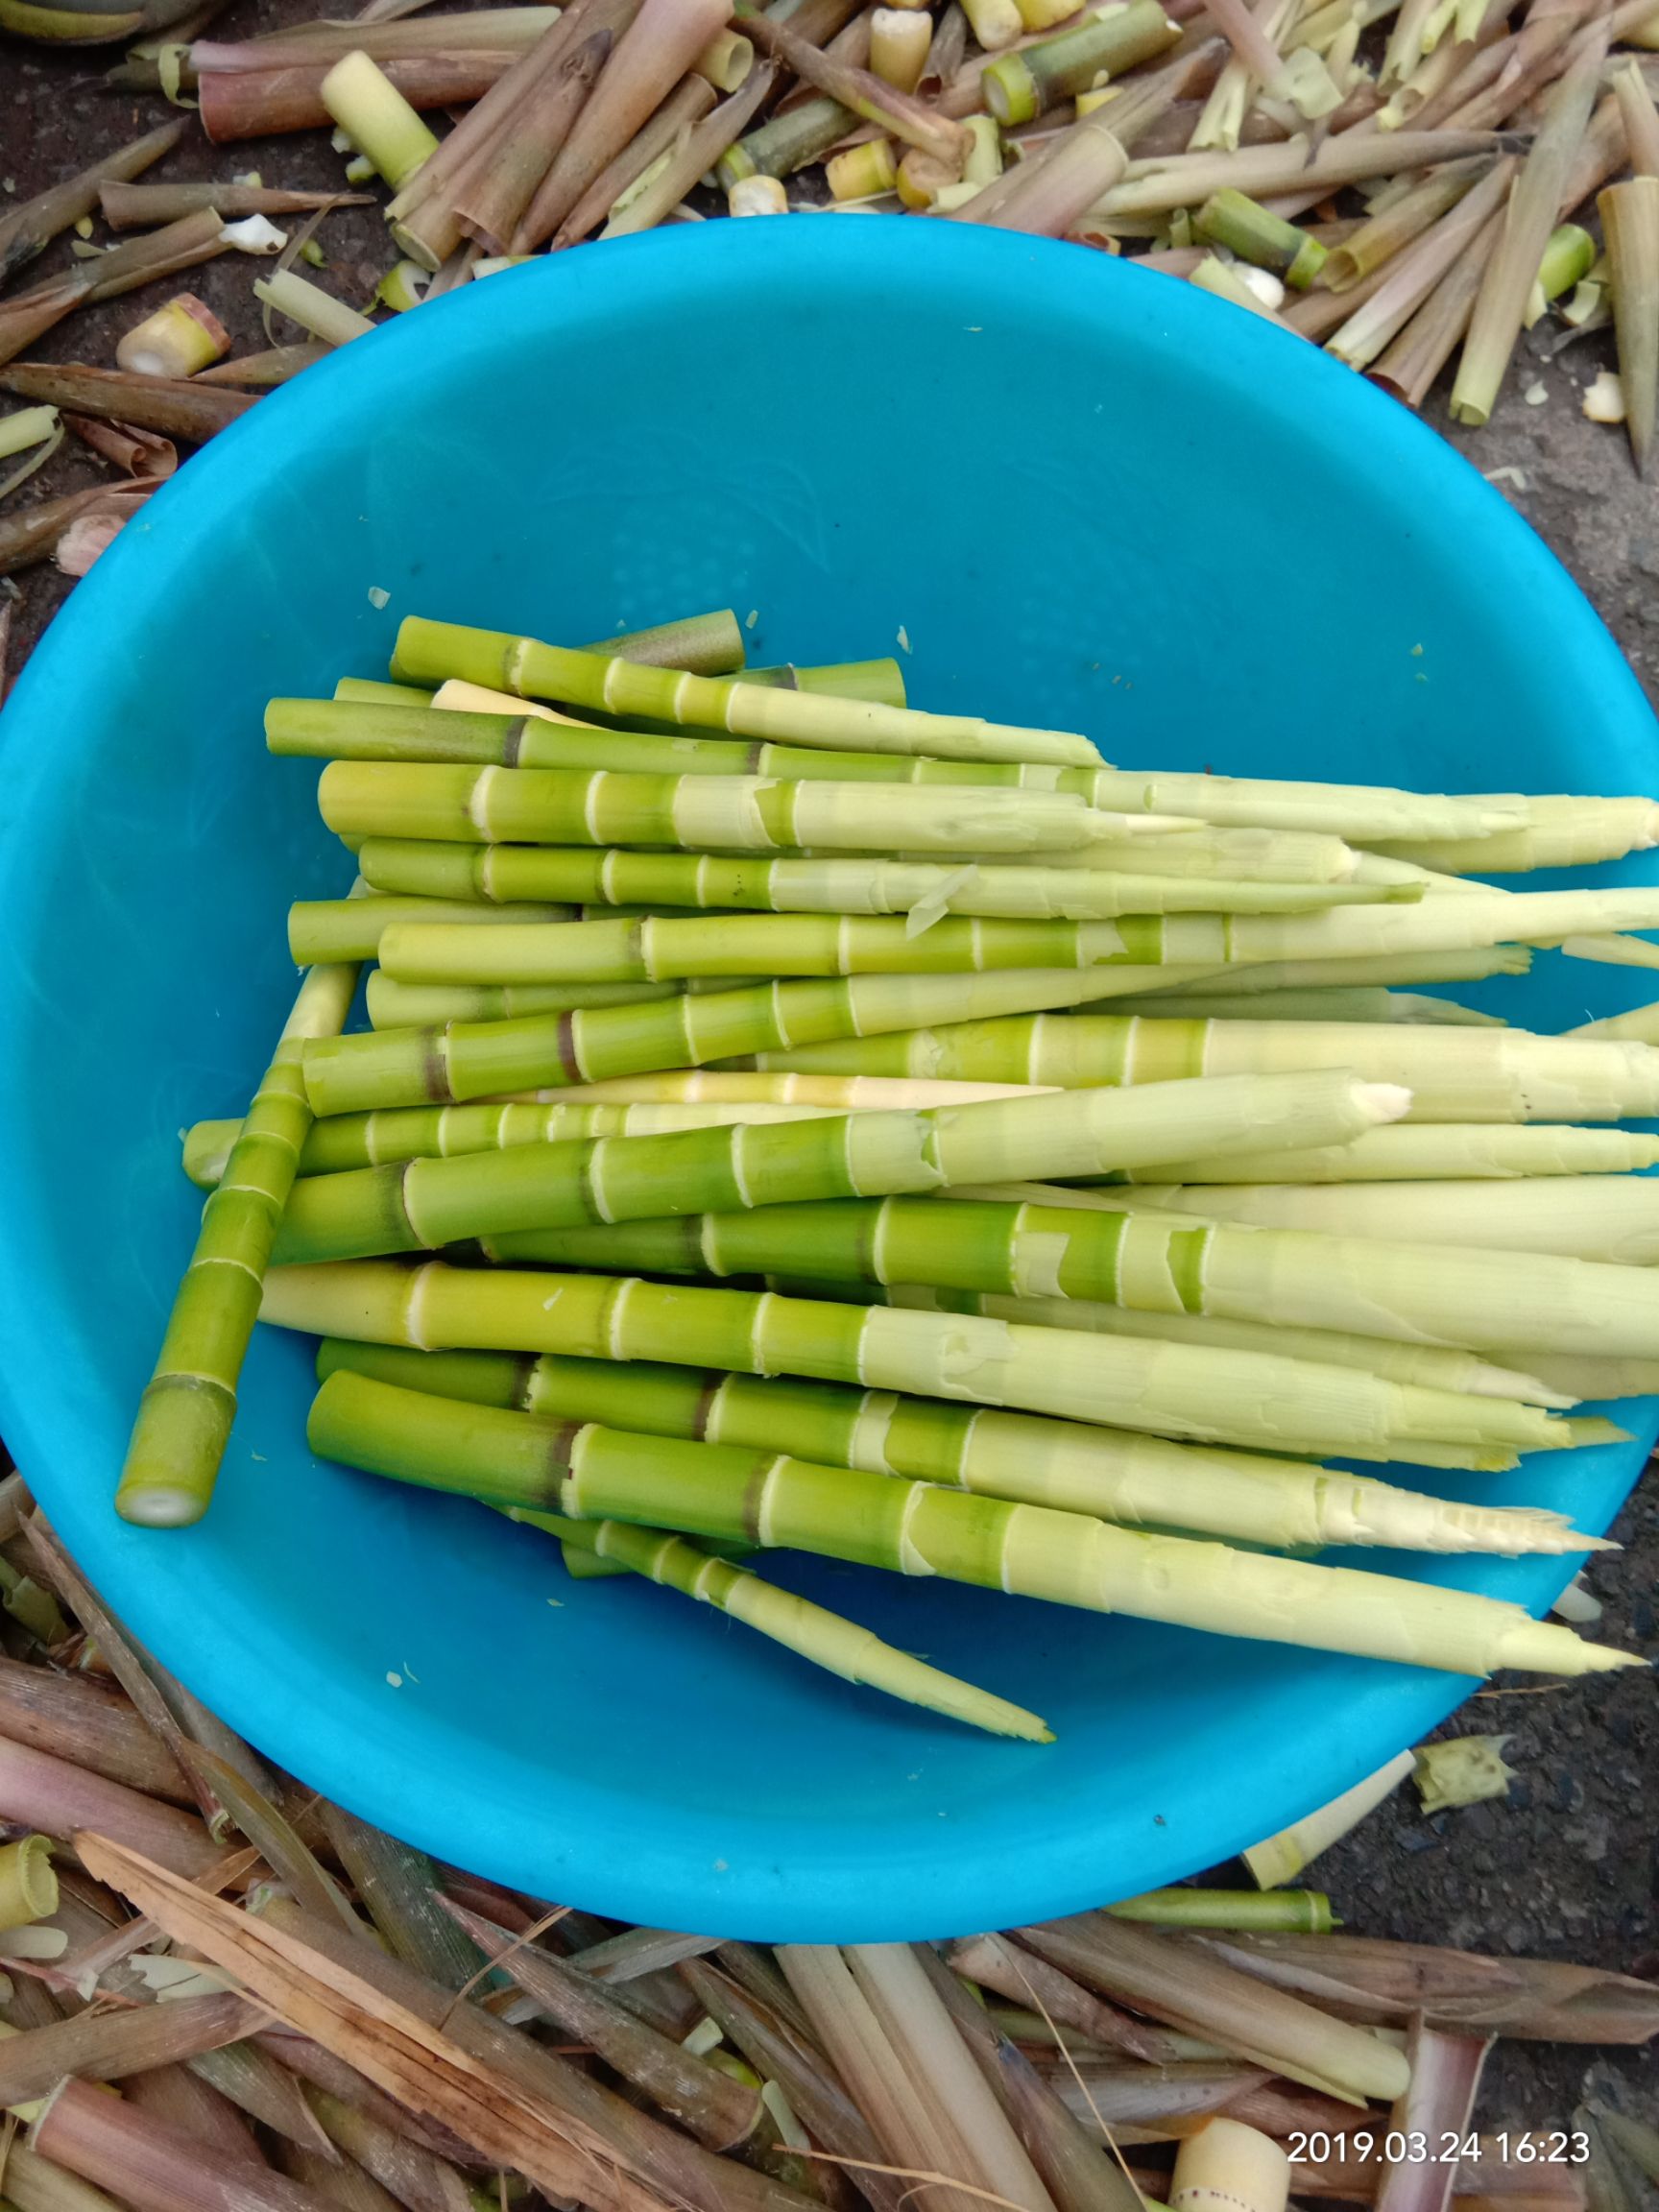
[1078,495]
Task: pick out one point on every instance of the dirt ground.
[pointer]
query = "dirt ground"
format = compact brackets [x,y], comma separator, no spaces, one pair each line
[1569,1867]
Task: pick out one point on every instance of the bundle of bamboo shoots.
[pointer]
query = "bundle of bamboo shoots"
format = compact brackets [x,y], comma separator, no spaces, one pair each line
[349,2023]
[1063,1303]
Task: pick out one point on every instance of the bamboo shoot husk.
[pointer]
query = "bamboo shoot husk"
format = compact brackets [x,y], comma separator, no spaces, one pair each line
[28,229]
[1158,1976]
[174,407]
[656,51]
[1630,223]
[288,96]
[491,198]
[1529,220]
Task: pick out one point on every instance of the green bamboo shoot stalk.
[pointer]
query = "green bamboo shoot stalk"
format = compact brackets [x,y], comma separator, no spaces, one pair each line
[1282,1857]
[1382,235]
[747,815]
[1327,1003]
[1431,1366]
[351,928]
[1411,279]
[1630,224]
[1500,303]
[1258,979]
[316,311]
[185,1414]
[364,691]
[432,1202]
[1359,813]
[1023,84]
[438,729]
[362,800]
[659,948]
[704,644]
[1209,1397]
[1138,1481]
[839,1646]
[405,1005]
[349,1140]
[716,1490]
[1157,1261]
[1639,1027]
[1422,1152]
[28,229]
[1560,832]
[483,1059]
[380,123]
[1232,219]
[1608,1217]
[1302,1912]
[524,666]
[845,1094]
[893,1252]
[828,1641]
[1454,1075]
[435,868]
[882,680]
